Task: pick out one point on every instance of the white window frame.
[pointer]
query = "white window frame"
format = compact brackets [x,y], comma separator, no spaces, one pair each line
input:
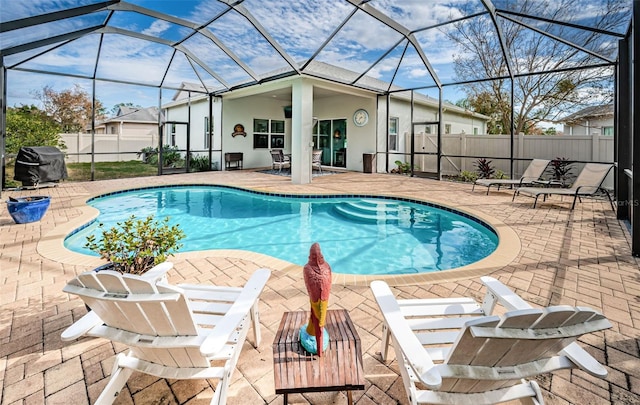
[393,135]
[207,134]
[270,133]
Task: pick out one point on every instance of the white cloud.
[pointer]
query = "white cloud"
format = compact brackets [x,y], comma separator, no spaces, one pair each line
[156,28]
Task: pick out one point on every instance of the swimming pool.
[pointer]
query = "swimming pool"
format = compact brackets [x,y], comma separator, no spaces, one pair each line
[357,234]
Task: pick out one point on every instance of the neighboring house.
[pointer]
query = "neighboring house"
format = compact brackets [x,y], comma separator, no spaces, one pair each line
[130,121]
[596,120]
[118,138]
[301,113]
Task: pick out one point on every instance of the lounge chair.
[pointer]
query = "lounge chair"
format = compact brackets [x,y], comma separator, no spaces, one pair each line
[279,160]
[588,183]
[453,351]
[532,173]
[316,160]
[172,332]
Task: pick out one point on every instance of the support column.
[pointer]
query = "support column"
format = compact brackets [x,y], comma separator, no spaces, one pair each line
[622,134]
[301,131]
[3,123]
[635,140]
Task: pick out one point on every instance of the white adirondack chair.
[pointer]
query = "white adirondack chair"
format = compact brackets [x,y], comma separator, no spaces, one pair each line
[453,351]
[172,331]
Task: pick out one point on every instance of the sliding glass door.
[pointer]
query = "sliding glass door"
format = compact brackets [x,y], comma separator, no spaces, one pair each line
[330,136]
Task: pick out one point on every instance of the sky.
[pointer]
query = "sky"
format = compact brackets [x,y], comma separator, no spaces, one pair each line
[233,47]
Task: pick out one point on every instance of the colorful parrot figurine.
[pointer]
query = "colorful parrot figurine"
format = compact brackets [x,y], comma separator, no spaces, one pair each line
[317,279]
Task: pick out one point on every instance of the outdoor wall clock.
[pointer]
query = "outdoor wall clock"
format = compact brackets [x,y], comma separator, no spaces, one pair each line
[360,117]
[238,129]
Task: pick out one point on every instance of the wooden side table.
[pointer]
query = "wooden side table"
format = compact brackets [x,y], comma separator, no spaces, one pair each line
[233,160]
[339,369]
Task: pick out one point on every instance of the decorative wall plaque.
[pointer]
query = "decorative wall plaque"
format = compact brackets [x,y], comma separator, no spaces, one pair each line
[238,129]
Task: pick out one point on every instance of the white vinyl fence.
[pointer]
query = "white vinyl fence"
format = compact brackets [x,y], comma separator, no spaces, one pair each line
[108,147]
[497,148]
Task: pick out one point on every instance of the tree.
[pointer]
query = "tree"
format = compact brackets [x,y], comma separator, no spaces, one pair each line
[71,109]
[537,97]
[484,103]
[29,126]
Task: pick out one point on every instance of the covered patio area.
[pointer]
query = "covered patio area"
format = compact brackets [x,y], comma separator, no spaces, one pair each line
[579,257]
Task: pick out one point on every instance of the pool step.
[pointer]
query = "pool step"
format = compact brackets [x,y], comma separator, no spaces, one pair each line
[369,211]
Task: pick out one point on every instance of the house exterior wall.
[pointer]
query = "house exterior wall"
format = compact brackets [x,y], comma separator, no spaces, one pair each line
[243,110]
[400,108]
[589,127]
[197,110]
[360,140]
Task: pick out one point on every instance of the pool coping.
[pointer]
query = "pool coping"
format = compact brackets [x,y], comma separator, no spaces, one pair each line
[51,246]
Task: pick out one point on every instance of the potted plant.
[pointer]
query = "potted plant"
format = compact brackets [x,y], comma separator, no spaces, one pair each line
[136,245]
[561,167]
[28,209]
[484,168]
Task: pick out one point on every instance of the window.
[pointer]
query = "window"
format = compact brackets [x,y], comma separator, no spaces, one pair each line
[447,128]
[475,130]
[268,133]
[607,131]
[173,134]
[207,134]
[113,129]
[393,133]
[427,129]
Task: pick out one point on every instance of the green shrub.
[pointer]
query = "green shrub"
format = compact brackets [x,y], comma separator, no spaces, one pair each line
[403,167]
[170,155]
[199,163]
[136,245]
[468,176]
[147,153]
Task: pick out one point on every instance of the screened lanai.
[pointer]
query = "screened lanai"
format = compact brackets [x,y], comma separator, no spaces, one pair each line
[439,53]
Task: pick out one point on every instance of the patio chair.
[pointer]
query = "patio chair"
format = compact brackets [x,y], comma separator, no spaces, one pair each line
[587,184]
[532,173]
[453,351]
[316,160]
[279,160]
[177,332]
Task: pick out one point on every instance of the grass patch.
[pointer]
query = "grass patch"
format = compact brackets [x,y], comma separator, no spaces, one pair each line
[103,171]
[110,170]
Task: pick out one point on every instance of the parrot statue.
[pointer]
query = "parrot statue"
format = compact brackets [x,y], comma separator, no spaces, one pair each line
[317,279]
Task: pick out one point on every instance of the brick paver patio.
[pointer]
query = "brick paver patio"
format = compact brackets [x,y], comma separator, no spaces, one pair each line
[579,257]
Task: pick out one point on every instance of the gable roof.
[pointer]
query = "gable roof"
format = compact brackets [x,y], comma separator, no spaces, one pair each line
[134,114]
[596,111]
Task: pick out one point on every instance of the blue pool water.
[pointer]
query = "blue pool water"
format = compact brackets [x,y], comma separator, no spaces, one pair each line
[357,235]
